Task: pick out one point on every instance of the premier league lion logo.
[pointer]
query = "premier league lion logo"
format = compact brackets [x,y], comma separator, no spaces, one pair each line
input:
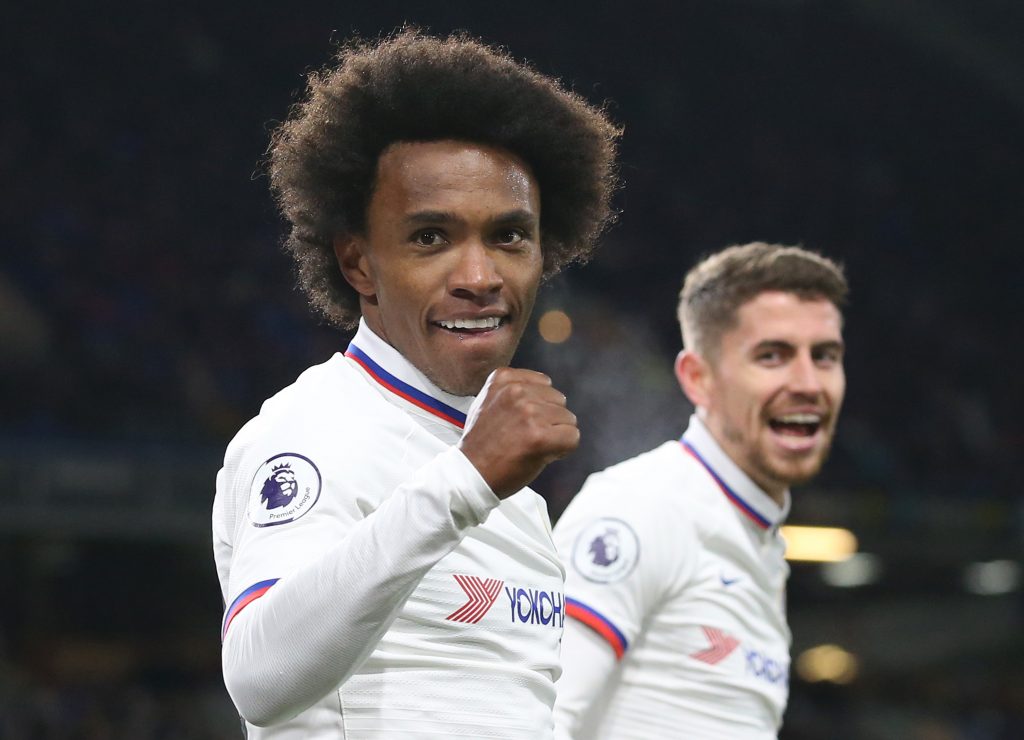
[283,489]
[605,548]
[280,488]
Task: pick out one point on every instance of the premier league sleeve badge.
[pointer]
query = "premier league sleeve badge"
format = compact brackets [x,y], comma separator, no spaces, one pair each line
[284,489]
[606,551]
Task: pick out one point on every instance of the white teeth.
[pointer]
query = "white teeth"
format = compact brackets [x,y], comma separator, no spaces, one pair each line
[489,323]
[800,419]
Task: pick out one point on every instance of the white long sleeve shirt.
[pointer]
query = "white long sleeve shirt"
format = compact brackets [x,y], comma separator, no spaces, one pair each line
[376,587]
[675,586]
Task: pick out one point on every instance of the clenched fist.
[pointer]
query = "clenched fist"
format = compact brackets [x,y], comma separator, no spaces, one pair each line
[518,424]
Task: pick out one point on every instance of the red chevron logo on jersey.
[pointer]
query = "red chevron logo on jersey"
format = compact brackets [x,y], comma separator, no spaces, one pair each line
[481,595]
[722,644]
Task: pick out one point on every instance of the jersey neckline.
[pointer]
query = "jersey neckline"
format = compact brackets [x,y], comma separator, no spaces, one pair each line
[746,496]
[386,366]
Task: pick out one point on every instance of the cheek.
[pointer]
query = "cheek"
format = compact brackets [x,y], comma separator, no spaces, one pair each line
[529,292]
[523,278]
[737,407]
[526,270]
[837,389]
[406,285]
[746,394]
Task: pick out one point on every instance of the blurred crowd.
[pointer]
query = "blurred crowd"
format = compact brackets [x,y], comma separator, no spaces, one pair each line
[143,293]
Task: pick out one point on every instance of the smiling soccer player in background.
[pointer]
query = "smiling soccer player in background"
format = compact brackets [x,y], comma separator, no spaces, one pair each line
[676,572]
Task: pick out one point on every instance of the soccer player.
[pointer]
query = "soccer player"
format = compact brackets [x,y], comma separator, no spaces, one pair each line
[386,571]
[675,583]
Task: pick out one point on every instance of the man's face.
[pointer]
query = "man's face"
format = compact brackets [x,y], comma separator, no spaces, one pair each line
[450,264]
[776,386]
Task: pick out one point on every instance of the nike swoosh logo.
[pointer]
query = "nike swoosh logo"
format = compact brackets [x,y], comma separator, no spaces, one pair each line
[727,581]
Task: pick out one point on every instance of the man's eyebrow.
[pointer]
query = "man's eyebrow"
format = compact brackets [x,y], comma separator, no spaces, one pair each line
[773,344]
[781,344]
[518,216]
[830,344]
[427,217]
[432,217]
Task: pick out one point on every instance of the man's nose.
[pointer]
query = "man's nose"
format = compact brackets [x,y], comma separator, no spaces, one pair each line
[475,271]
[805,377]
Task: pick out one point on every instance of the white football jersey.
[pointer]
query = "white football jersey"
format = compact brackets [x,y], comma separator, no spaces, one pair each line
[375,586]
[675,558]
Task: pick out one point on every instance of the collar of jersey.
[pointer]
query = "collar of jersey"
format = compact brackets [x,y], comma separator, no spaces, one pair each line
[386,366]
[756,505]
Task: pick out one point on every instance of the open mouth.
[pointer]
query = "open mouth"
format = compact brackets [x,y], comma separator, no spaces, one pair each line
[471,326]
[796,425]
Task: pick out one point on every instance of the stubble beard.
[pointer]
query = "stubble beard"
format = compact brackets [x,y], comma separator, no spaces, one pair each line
[462,380]
[793,474]
[764,469]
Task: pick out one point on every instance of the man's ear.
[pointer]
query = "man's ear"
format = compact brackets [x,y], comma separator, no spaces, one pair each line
[350,251]
[694,375]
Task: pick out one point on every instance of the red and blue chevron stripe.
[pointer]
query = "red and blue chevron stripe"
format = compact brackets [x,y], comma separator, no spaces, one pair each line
[730,494]
[244,599]
[599,623]
[401,388]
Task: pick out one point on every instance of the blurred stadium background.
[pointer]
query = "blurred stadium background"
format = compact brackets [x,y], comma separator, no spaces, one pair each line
[146,310]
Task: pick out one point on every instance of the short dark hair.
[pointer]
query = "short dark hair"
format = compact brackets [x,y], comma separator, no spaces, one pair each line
[720,284]
[415,87]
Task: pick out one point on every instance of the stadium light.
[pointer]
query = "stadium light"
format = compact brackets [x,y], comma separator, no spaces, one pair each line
[819,544]
[827,663]
[555,326]
[992,578]
[860,569]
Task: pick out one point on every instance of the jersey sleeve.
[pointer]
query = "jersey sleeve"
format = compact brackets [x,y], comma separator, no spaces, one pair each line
[622,552]
[320,569]
[587,667]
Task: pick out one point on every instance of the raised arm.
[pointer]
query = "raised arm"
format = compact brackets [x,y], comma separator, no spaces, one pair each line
[312,629]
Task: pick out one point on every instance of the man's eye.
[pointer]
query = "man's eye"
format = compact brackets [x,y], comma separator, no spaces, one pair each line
[429,238]
[770,356]
[509,236]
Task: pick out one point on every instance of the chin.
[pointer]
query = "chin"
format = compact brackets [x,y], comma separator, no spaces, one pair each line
[464,389]
[795,475]
[461,384]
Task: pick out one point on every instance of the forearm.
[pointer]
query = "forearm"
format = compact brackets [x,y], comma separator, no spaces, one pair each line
[313,629]
[587,664]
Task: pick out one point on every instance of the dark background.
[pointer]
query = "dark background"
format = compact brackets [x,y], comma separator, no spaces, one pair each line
[146,310]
